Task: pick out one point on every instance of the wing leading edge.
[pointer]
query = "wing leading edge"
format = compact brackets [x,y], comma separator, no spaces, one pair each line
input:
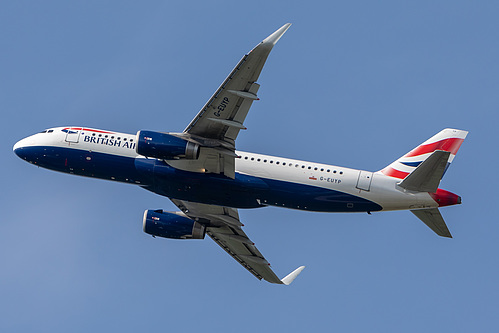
[224,227]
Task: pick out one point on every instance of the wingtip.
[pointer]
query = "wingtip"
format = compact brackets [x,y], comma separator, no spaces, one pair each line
[292,276]
[274,38]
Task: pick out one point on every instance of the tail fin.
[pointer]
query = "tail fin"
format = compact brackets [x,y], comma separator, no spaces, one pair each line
[448,140]
[421,170]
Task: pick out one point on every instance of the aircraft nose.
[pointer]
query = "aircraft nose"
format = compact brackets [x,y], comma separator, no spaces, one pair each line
[19,147]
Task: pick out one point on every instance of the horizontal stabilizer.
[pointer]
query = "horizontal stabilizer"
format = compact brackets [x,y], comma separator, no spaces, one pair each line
[434,220]
[426,177]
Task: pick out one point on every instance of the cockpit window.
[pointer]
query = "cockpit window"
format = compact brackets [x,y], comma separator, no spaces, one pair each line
[50,131]
[44,131]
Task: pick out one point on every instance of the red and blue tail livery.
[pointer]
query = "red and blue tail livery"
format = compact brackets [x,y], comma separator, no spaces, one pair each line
[209,180]
[448,140]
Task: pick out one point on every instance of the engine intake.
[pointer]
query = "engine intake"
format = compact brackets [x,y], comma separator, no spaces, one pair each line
[165,146]
[172,225]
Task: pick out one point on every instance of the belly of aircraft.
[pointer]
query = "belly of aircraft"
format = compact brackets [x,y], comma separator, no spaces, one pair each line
[245,191]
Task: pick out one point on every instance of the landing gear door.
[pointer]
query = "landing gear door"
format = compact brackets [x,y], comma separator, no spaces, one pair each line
[364,181]
[72,134]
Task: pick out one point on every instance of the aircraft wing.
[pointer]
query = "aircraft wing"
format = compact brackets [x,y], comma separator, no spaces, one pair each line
[224,227]
[223,115]
[216,126]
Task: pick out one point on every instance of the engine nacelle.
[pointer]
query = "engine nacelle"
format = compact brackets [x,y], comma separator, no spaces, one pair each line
[165,146]
[172,225]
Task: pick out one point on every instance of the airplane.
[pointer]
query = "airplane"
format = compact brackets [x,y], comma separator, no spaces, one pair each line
[204,175]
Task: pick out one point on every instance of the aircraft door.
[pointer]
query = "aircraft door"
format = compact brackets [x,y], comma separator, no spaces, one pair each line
[73,134]
[364,181]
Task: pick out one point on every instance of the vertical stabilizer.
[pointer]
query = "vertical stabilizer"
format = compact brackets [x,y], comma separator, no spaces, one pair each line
[448,140]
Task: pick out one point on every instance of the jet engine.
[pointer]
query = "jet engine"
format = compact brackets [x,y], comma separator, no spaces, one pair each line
[172,225]
[165,146]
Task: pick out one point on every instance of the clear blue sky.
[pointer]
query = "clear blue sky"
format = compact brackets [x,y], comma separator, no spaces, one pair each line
[355,84]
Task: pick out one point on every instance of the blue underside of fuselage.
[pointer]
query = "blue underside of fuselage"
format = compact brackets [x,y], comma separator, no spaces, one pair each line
[155,175]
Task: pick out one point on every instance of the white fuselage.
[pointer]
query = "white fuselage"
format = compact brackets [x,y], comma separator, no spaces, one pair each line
[373,187]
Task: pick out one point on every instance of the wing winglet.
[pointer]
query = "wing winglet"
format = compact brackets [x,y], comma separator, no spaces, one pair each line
[274,38]
[292,276]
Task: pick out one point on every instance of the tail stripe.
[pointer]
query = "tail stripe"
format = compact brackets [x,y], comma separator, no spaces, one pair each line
[451,145]
[412,164]
[389,171]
